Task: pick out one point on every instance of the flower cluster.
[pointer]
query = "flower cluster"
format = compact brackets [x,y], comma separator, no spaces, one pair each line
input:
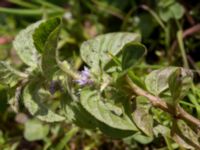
[84,77]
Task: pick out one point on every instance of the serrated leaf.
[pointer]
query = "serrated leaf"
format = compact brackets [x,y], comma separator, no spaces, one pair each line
[9,75]
[95,52]
[33,103]
[184,135]
[35,130]
[94,104]
[132,54]
[141,116]
[24,46]
[46,39]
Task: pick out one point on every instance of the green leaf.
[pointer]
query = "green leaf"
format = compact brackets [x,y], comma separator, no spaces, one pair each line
[184,135]
[96,106]
[186,79]
[95,52]
[142,117]
[180,81]
[157,81]
[75,113]
[165,14]
[78,115]
[43,32]
[177,10]
[146,25]
[175,85]
[139,137]
[35,130]
[73,110]
[24,46]
[132,53]
[174,10]
[15,98]
[113,132]
[45,40]
[32,102]
[165,3]
[9,75]
[163,130]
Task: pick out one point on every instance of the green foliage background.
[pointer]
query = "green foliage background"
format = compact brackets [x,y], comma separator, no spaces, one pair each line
[169,30]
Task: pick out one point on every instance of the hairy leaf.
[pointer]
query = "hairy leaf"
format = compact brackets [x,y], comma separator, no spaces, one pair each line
[95,52]
[9,75]
[43,32]
[95,105]
[157,81]
[75,113]
[24,46]
[32,102]
[141,116]
[184,135]
[45,39]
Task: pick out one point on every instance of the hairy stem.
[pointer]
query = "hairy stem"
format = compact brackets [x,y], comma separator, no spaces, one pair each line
[159,103]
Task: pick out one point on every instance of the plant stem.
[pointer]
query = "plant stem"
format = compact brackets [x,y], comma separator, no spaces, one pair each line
[29,12]
[181,45]
[159,103]
[66,68]
[63,142]
[23,3]
[188,32]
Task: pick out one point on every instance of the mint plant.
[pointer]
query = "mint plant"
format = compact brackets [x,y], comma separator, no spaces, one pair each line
[108,94]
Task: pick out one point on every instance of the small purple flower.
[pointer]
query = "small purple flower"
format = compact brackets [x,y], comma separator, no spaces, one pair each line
[85,72]
[52,89]
[55,85]
[84,77]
